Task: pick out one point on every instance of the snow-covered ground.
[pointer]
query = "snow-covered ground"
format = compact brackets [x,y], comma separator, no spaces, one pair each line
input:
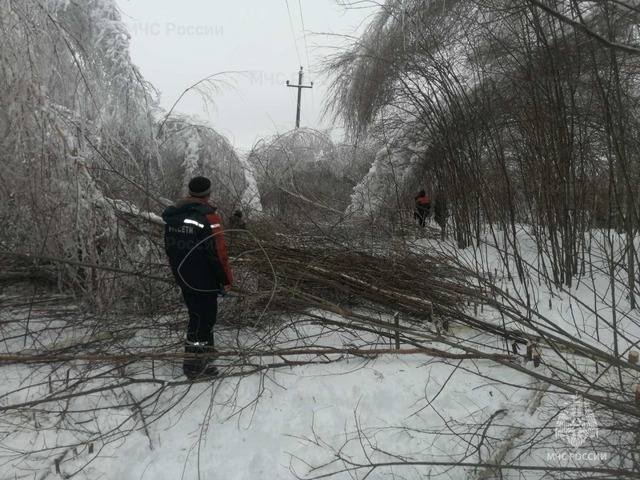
[344,416]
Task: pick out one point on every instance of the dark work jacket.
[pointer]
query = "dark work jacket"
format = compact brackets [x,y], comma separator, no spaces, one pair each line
[194,243]
[423,204]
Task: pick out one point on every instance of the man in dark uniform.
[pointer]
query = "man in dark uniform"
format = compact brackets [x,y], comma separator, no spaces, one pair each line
[196,248]
[236,222]
[441,212]
[422,208]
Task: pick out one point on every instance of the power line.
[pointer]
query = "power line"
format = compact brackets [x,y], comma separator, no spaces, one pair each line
[306,49]
[304,35]
[293,32]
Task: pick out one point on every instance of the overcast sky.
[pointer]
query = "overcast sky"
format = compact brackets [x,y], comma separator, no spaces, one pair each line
[177,43]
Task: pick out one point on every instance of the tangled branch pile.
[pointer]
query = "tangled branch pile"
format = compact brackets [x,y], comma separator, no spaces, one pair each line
[296,271]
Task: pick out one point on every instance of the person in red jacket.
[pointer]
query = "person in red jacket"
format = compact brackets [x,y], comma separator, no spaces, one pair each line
[422,208]
[195,245]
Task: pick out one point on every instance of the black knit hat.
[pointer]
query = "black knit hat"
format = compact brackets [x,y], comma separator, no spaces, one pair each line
[200,187]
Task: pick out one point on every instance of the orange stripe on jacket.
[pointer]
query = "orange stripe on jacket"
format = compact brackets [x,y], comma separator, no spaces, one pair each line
[216,228]
[221,245]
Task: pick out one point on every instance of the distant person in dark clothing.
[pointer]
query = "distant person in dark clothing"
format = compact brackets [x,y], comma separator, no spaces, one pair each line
[196,248]
[422,208]
[236,221]
[441,212]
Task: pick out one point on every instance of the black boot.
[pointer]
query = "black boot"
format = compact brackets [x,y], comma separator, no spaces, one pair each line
[198,366]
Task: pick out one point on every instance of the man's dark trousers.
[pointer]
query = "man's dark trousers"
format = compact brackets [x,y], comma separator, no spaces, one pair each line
[203,309]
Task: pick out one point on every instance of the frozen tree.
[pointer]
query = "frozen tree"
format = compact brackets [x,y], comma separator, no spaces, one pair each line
[390,184]
[80,142]
[190,147]
[75,119]
[299,170]
[251,195]
[525,112]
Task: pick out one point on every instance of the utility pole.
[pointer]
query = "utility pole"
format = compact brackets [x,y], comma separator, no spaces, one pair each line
[299,87]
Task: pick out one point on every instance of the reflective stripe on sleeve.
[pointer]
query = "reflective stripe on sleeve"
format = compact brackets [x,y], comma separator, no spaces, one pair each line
[193,222]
